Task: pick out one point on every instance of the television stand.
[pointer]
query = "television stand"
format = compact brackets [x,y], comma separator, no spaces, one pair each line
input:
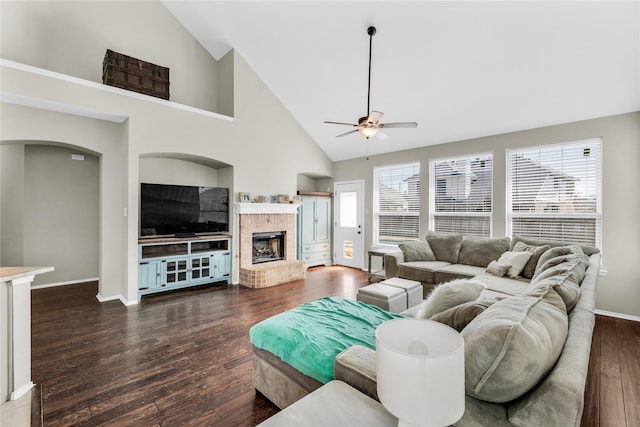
[171,263]
[184,235]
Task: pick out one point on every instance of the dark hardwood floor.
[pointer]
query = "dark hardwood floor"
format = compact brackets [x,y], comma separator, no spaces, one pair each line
[184,358]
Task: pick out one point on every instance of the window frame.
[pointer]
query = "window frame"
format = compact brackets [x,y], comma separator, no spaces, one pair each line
[376,202]
[433,191]
[597,215]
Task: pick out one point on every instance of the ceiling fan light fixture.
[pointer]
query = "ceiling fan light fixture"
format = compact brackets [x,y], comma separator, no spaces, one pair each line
[369,125]
[368,132]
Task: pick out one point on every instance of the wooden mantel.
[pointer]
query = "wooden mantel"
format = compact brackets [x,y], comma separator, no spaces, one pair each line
[15,344]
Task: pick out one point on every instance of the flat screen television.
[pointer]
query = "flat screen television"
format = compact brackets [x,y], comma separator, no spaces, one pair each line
[182,210]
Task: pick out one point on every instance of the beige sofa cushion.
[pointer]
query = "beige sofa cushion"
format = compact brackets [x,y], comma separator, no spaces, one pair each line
[462,314]
[448,295]
[480,251]
[446,247]
[417,250]
[456,271]
[503,285]
[563,273]
[588,250]
[512,345]
[422,271]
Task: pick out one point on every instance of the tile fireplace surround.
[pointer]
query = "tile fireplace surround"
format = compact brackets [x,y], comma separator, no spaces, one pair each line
[261,218]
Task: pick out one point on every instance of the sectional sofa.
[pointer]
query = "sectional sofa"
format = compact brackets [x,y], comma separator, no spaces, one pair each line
[527,337]
[540,320]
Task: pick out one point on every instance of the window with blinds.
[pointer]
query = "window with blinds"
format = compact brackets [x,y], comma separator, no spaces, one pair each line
[396,203]
[461,196]
[554,192]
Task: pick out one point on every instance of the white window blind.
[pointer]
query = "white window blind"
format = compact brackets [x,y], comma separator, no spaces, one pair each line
[554,192]
[461,196]
[396,203]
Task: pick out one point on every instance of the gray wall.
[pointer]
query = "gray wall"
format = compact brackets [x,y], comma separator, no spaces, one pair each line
[61,213]
[11,204]
[619,291]
[58,202]
[71,37]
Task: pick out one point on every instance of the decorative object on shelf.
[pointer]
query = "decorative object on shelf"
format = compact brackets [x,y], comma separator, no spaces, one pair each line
[420,371]
[283,198]
[260,199]
[135,75]
[369,125]
[273,199]
[244,197]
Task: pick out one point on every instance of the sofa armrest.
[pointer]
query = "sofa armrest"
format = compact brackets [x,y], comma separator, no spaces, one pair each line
[356,366]
[391,262]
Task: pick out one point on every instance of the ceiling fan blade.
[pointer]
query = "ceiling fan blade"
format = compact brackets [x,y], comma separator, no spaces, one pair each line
[399,125]
[341,123]
[374,116]
[347,133]
[382,135]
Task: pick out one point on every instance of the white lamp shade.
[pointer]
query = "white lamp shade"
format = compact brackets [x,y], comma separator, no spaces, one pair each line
[420,371]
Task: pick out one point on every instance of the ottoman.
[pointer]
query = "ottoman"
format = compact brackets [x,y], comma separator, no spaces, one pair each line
[388,298]
[412,288]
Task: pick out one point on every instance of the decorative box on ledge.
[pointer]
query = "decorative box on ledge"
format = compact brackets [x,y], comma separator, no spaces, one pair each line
[135,75]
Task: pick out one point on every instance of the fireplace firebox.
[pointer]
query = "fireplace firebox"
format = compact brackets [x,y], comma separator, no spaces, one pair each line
[268,247]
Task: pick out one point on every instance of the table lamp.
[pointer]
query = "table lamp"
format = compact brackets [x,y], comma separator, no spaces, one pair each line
[420,370]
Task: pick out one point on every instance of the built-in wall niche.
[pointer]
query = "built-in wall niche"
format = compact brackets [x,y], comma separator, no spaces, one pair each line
[180,169]
[175,169]
[313,182]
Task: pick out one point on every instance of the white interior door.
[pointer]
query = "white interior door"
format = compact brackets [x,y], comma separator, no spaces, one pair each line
[348,232]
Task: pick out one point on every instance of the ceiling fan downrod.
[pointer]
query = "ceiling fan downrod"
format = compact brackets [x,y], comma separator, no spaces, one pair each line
[371,31]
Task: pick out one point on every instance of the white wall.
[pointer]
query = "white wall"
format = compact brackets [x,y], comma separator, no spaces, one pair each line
[263,145]
[619,291]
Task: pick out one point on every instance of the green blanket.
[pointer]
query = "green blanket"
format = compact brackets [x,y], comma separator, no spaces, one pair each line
[310,336]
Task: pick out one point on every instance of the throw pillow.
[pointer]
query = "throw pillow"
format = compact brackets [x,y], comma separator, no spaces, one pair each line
[536,252]
[515,260]
[449,294]
[496,269]
[564,274]
[557,255]
[461,315]
[417,250]
[446,247]
[588,250]
[513,344]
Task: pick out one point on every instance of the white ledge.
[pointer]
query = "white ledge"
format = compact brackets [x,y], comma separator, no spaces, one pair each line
[265,208]
[48,105]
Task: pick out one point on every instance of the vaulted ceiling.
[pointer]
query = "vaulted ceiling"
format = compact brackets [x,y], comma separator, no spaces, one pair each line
[460,69]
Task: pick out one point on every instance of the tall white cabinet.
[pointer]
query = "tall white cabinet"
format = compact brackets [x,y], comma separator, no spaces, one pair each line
[314,229]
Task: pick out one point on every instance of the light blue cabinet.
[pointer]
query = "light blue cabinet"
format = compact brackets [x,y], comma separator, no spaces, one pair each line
[314,230]
[173,263]
[149,274]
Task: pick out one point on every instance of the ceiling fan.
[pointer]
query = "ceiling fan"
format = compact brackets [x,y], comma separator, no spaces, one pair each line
[369,125]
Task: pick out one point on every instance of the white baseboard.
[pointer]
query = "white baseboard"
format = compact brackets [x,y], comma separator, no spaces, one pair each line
[618,315]
[70,282]
[17,394]
[116,298]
